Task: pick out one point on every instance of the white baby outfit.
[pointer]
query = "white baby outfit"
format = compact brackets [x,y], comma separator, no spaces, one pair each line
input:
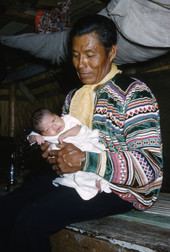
[87,140]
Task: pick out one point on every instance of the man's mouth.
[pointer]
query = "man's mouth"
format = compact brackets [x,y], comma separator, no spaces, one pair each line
[83,74]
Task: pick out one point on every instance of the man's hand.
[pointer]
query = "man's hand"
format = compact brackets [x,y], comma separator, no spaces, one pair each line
[66,160]
[45,147]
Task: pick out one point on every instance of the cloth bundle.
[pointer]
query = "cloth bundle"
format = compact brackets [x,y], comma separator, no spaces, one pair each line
[56,20]
[143,30]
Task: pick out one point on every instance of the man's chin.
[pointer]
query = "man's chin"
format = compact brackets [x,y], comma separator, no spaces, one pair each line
[86,81]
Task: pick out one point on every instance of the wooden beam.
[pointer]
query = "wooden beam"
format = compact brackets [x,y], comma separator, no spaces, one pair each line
[12,109]
[4,97]
[47,94]
[161,63]
[25,73]
[26,92]
[22,13]
[47,4]
[41,82]
[12,28]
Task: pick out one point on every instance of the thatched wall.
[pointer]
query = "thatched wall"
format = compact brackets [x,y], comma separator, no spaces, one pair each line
[49,95]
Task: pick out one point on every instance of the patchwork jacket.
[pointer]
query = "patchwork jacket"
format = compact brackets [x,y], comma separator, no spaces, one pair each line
[127,116]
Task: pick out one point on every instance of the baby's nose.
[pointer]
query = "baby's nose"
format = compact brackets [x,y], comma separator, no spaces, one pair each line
[54,127]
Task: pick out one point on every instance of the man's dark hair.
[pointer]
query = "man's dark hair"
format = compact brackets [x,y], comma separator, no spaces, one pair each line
[104,27]
[37,117]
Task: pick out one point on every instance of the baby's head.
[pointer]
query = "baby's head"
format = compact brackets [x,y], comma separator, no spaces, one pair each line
[46,123]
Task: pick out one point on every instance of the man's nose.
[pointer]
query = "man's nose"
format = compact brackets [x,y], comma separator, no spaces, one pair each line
[81,62]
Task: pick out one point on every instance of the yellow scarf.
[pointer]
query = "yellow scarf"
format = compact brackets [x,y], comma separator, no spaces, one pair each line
[82,103]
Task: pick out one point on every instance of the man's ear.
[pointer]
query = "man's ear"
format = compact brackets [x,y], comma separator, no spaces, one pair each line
[113,52]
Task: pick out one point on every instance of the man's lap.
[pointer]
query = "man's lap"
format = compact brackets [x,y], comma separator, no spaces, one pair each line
[54,207]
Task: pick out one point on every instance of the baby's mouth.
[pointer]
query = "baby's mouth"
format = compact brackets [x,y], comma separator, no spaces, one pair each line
[58,130]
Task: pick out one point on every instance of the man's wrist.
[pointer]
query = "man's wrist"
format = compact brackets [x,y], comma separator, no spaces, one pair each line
[83,161]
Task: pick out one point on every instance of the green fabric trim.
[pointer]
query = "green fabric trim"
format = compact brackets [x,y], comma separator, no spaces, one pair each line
[92,162]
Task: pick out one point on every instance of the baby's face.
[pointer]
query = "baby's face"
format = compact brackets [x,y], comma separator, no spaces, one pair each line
[51,125]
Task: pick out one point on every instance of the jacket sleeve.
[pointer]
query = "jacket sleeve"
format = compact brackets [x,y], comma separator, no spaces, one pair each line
[135,160]
[66,106]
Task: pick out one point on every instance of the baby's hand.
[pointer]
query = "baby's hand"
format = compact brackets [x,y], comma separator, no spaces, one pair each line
[32,139]
[36,139]
[39,139]
[61,137]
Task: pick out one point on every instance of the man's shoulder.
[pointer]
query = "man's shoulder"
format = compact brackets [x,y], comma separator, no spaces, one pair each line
[72,92]
[123,81]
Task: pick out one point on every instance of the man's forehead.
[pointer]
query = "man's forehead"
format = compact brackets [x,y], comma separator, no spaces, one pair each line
[85,42]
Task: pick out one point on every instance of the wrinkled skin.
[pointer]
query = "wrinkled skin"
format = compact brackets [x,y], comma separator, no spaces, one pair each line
[92,65]
[90,59]
[66,160]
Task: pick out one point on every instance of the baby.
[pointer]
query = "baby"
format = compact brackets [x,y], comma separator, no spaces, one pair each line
[54,129]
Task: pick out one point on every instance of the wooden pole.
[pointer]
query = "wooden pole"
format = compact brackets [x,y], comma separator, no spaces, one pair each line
[12,109]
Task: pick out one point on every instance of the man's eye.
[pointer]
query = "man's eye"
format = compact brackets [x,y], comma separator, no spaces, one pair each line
[90,55]
[75,55]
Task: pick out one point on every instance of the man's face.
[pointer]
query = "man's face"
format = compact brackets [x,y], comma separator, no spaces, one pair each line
[89,58]
[51,125]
